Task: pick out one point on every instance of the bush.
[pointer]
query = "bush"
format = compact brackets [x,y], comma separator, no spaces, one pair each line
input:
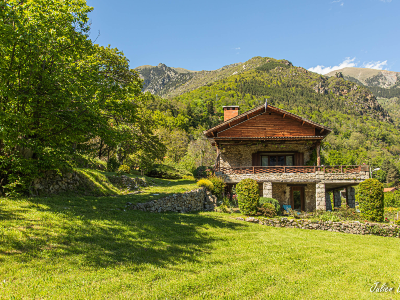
[223,208]
[202,171]
[112,164]
[329,216]
[218,186]
[205,183]
[167,172]
[267,209]
[370,197]
[248,195]
[392,199]
[273,201]
[123,169]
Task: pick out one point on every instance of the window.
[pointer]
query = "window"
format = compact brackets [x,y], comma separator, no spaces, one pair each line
[277,160]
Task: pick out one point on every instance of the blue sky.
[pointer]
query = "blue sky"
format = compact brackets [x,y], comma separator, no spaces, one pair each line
[206,35]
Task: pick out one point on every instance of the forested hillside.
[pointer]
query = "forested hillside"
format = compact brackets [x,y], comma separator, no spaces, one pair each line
[385,85]
[363,131]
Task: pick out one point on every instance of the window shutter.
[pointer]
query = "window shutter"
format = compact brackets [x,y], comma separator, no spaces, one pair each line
[256,159]
[299,159]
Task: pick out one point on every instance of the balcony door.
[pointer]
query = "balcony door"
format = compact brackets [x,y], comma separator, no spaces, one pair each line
[297,198]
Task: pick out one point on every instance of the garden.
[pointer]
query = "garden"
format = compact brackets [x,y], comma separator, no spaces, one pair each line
[374,206]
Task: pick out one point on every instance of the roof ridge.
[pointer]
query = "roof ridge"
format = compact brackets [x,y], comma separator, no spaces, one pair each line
[238,117]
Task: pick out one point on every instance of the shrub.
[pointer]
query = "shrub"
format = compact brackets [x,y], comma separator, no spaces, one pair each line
[167,172]
[123,169]
[392,199]
[267,209]
[329,216]
[188,177]
[205,183]
[273,201]
[202,171]
[247,192]
[218,186]
[370,198]
[397,222]
[223,208]
[112,164]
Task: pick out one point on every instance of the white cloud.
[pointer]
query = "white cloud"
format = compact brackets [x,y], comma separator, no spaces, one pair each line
[340,2]
[375,65]
[348,62]
[386,1]
[238,48]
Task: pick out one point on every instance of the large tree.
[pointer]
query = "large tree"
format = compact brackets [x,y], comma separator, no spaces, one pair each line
[58,90]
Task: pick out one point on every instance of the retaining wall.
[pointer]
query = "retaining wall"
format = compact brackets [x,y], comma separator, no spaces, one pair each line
[355,227]
[195,200]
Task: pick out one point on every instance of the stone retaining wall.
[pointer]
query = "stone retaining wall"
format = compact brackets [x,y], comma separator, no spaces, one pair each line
[356,227]
[125,182]
[53,183]
[195,200]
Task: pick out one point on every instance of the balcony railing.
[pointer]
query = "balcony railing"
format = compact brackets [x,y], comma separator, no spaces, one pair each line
[293,169]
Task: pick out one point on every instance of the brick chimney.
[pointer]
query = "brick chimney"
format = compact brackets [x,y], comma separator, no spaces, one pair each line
[230,112]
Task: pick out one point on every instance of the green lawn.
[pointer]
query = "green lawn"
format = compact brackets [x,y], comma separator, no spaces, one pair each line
[91,248]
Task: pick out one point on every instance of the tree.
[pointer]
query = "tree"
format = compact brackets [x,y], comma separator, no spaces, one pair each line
[58,91]
[175,141]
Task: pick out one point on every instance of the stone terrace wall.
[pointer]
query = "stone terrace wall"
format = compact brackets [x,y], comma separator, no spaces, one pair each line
[388,230]
[53,183]
[195,200]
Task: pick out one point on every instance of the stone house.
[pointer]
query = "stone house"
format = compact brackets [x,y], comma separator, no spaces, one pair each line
[277,148]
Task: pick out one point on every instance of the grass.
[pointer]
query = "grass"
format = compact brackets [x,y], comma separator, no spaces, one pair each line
[97,184]
[91,248]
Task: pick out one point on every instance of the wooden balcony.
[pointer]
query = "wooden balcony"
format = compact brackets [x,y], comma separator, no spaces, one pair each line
[294,169]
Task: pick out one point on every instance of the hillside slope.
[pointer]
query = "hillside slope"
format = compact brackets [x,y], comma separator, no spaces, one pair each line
[385,85]
[171,82]
[371,77]
[363,131]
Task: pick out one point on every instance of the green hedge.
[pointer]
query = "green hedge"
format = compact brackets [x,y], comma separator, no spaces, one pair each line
[370,198]
[392,199]
[248,195]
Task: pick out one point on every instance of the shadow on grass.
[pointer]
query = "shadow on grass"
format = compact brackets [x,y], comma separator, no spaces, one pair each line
[99,232]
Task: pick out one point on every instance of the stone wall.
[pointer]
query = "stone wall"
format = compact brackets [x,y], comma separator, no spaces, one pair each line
[241,156]
[53,183]
[128,183]
[356,227]
[195,200]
